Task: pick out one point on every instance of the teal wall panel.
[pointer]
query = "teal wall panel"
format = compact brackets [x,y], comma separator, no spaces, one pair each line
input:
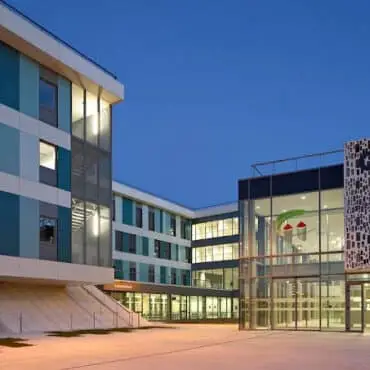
[151,247]
[174,252]
[64,104]
[29,235]
[143,272]
[64,234]
[29,87]
[9,149]
[64,169]
[126,238]
[157,220]
[127,211]
[145,246]
[126,270]
[118,209]
[9,224]
[9,76]
[163,276]
[157,272]
[139,245]
[178,277]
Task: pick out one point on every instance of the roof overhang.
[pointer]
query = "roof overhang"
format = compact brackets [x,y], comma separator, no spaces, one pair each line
[22,34]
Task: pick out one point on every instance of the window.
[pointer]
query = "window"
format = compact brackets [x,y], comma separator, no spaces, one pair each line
[185,229]
[119,241]
[172,225]
[48,97]
[47,155]
[132,271]
[216,229]
[48,230]
[157,248]
[151,274]
[151,216]
[113,208]
[132,243]
[184,278]
[139,215]
[173,276]
[188,254]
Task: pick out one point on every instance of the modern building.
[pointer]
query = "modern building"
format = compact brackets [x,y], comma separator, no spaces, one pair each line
[152,255]
[55,178]
[304,262]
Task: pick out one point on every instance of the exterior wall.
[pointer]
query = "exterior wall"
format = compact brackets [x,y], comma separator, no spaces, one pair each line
[215,252]
[137,249]
[39,154]
[357,196]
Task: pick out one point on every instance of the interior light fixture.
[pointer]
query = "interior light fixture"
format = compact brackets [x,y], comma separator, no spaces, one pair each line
[95,225]
[95,127]
[303,197]
[325,206]
[258,207]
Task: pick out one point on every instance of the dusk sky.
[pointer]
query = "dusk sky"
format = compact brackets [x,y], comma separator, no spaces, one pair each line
[213,86]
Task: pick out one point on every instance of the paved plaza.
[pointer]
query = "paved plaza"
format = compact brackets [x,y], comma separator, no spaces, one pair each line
[193,347]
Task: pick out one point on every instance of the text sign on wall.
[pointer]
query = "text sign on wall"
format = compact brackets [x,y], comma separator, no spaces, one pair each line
[357,205]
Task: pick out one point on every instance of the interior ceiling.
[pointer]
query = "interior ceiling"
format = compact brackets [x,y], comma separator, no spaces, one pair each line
[330,199]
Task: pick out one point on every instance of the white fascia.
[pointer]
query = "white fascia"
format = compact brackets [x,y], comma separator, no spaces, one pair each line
[152,200]
[32,40]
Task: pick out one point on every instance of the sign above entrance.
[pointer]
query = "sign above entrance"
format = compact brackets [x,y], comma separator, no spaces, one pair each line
[357,205]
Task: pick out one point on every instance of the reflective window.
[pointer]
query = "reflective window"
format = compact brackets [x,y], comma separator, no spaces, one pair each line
[92,123]
[220,252]
[48,230]
[48,95]
[47,155]
[227,278]
[105,125]
[78,111]
[215,229]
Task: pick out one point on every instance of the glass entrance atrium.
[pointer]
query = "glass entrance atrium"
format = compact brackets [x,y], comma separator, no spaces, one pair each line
[292,271]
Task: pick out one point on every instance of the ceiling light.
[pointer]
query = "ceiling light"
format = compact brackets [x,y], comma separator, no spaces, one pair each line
[258,207]
[303,197]
[325,206]
[284,210]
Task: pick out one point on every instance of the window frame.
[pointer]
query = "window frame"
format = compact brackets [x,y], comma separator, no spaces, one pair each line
[43,108]
[55,236]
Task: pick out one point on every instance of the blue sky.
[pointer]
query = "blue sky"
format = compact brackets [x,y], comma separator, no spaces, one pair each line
[213,86]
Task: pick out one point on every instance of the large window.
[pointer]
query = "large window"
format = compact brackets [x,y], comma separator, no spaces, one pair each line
[48,97]
[48,166]
[132,271]
[227,278]
[47,155]
[91,118]
[48,238]
[212,253]
[216,229]
[48,230]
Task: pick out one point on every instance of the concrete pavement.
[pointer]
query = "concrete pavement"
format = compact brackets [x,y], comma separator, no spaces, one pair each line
[194,347]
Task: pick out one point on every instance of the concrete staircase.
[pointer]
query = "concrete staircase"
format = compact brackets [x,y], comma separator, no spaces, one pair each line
[42,308]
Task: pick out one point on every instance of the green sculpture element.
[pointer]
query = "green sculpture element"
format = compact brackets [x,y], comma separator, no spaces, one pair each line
[285,216]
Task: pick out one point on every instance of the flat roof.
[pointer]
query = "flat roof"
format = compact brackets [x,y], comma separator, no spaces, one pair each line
[35,41]
[160,202]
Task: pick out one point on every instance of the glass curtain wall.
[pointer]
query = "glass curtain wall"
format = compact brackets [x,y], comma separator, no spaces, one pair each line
[291,268]
[178,307]
[91,178]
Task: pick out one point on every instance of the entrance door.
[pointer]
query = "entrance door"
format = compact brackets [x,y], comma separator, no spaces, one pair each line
[355,307]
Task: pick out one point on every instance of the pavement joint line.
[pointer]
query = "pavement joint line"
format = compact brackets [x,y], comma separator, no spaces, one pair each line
[158,354]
